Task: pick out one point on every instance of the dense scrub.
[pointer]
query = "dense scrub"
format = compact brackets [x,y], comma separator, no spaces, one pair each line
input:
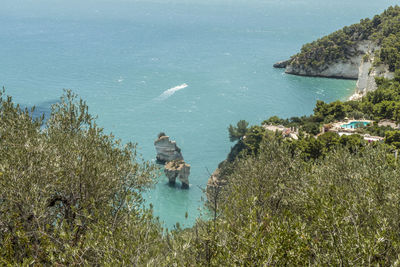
[71,195]
[278,209]
[383,29]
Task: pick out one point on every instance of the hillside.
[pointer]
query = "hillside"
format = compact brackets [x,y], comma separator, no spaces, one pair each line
[361,51]
[304,194]
[71,195]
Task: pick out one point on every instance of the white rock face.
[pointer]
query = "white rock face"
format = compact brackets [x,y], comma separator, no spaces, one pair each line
[365,80]
[380,71]
[357,67]
[366,77]
[167,150]
[368,73]
[170,154]
[345,69]
[178,169]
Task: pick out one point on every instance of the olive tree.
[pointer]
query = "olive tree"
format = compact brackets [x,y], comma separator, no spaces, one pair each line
[69,193]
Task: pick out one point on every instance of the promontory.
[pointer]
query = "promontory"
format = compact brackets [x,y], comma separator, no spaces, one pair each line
[362,51]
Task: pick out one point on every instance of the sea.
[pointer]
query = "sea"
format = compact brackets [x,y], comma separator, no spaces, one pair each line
[184,67]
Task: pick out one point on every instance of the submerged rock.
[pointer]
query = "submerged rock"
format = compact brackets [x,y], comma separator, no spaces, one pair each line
[178,169]
[167,150]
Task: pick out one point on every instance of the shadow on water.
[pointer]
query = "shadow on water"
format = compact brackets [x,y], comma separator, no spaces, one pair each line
[43,108]
[177,185]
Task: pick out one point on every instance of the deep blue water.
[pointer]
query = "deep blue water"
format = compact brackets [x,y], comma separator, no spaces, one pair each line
[123,55]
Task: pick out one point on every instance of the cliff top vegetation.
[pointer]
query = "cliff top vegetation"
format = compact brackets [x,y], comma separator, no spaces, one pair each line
[383,29]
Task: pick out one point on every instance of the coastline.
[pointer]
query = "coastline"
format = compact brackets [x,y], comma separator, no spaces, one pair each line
[357,95]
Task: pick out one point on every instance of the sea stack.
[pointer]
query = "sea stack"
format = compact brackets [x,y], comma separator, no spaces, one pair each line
[169,153]
[178,168]
[167,150]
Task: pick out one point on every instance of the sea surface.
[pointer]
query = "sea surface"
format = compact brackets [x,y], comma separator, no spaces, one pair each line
[187,68]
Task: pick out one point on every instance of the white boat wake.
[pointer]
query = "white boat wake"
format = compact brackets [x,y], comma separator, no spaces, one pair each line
[171,91]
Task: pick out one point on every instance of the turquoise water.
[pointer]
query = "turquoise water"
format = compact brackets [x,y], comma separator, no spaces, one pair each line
[123,56]
[355,124]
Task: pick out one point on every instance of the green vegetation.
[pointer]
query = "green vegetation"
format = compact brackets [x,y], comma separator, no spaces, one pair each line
[339,210]
[72,195]
[325,200]
[383,103]
[393,138]
[383,29]
[306,147]
[238,132]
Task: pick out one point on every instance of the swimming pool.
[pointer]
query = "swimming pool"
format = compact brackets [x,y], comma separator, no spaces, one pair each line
[355,124]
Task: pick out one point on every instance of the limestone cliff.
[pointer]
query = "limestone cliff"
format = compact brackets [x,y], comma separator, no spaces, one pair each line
[167,150]
[360,66]
[362,51]
[342,70]
[178,169]
[365,80]
[368,72]
[347,68]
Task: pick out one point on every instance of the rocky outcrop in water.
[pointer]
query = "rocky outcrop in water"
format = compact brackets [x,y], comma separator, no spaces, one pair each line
[282,64]
[169,153]
[167,150]
[178,169]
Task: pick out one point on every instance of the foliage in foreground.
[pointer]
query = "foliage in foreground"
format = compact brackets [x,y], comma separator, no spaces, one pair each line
[277,209]
[70,194]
